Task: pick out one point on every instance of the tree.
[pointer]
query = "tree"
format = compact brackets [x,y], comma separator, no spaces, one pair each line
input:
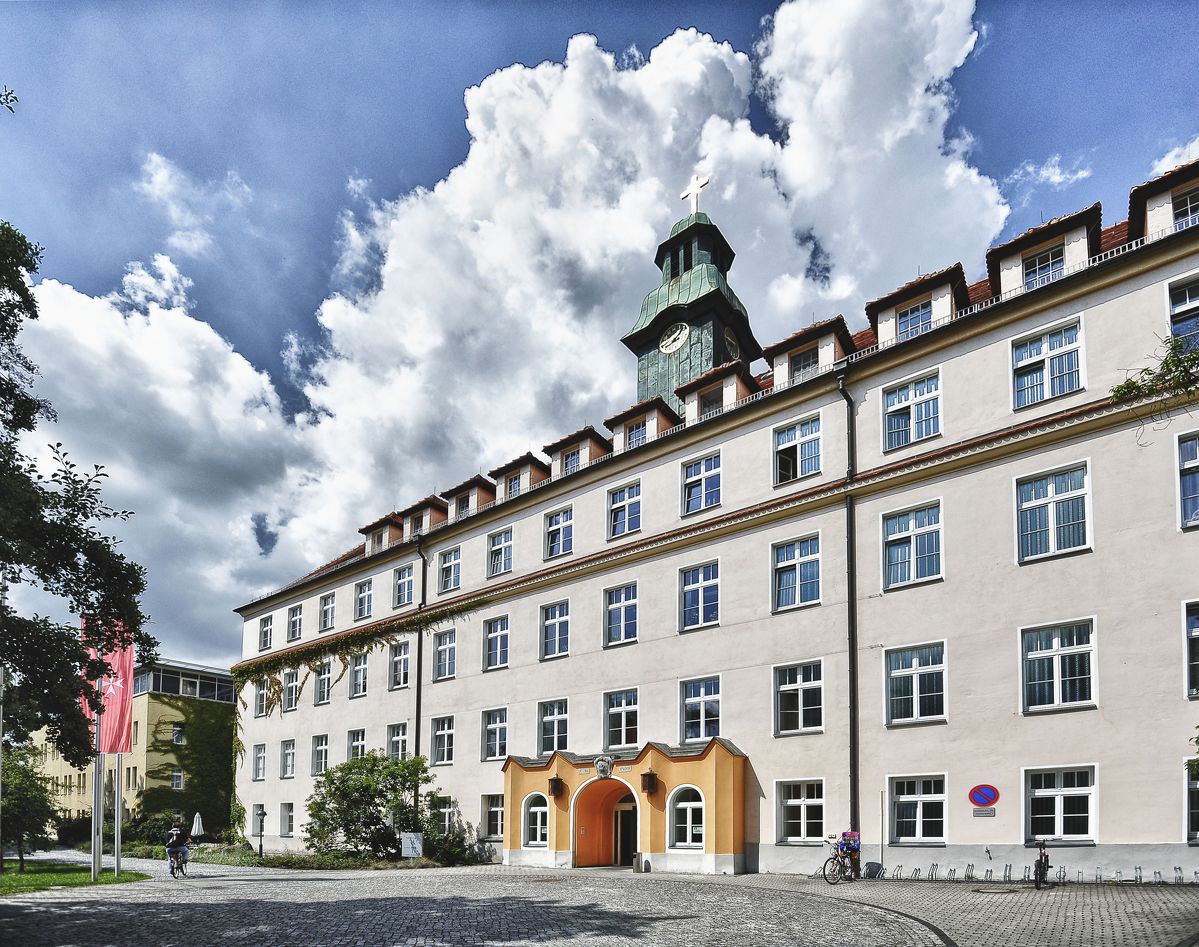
[362,804]
[28,809]
[1176,373]
[50,538]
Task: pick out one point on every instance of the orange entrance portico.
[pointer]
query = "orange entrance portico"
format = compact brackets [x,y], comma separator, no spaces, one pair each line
[660,808]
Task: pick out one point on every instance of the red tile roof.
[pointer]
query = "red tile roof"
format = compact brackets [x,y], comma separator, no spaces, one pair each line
[955,276]
[1089,217]
[738,368]
[478,480]
[1114,236]
[520,461]
[643,407]
[835,325]
[864,339]
[979,292]
[587,433]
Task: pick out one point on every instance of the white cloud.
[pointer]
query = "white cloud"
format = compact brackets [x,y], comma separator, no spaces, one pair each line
[1183,154]
[1028,177]
[190,207]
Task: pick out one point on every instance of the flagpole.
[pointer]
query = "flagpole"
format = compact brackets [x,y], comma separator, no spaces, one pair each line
[119,799]
[97,803]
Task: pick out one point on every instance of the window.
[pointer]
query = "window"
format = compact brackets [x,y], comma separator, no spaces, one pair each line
[559,533]
[1184,312]
[912,535]
[512,485]
[399,665]
[444,653]
[287,818]
[403,586]
[621,609]
[803,362]
[1057,352]
[797,451]
[397,741]
[1044,267]
[635,433]
[287,759]
[621,711]
[1188,478]
[495,734]
[291,689]
[701,595]
[1052,513]
[687,819]
[1192,630]
[915,319]
[797,573]
[701,484]
[462,505]
[701,709]
[355,744]
[417,523]
[260,699]
[537,819]
[1057,666]
[555,630]
[624,510]
[327,610]
[320,753]
[493,817]
[1192,805]
[177,735]
[295,622]
[377,541]
[443,740]
[324,682]
[570,461]
[552,714]
[362,599]
[358,675]
[801,811]
[264,632]
[259,761]
[499,552]
[913,411]
[451,569]
[176,778]
[798,698]
[495,643]
[918,809]
[916,684]
[711,400]
[1186,209]
[1059,803]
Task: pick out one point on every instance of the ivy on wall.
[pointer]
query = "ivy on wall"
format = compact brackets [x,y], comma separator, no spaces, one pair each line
[204,757]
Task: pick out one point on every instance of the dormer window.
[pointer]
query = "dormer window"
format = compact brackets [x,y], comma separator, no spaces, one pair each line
[377,540]
[462,505]
[635,432]
[803,362]
[919,318]
[1043,267]
[1186,209]
[711,400]
[512,485]
[418,522]
[570,461]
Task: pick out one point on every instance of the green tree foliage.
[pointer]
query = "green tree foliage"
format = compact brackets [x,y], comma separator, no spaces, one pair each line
[1176,374]
[28,808]
[51,539]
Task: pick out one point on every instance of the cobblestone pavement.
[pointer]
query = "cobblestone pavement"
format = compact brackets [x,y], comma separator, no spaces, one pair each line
[596,907]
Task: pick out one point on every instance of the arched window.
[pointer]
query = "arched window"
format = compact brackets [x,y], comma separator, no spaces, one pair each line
[687,819]
[537,818]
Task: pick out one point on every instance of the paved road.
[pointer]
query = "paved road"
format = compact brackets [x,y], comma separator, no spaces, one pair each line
[594,907]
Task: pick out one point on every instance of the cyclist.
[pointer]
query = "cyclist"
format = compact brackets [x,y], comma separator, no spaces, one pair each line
[176,841]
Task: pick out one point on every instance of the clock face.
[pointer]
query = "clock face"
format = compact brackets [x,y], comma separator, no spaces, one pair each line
[673,338]
[730,342]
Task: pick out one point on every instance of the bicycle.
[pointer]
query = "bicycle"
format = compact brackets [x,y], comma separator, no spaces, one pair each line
[1040,868]
[838,867]
[177,864]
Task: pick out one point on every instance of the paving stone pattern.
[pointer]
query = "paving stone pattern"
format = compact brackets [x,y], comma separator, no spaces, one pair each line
[218,904]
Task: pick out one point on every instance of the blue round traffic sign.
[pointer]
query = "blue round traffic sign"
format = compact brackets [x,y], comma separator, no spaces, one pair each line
[984,795]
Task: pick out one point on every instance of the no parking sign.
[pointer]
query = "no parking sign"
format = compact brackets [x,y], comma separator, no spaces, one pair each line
[982,797]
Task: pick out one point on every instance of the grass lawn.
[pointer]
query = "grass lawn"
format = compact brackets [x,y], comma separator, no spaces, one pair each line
[39,875]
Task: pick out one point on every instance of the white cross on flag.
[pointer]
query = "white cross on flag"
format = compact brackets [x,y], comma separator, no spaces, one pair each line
[116,690]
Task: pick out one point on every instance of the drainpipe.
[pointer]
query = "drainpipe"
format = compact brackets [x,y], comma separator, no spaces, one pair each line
[851,605]
[420,645]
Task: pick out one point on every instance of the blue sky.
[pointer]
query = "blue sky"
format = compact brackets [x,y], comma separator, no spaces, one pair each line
[297,275]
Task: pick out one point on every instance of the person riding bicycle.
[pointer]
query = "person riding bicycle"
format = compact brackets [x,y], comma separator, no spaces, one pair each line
[176,841]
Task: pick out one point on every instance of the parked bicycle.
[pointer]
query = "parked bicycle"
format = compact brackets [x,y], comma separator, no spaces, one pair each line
[1040,868]
[839,866]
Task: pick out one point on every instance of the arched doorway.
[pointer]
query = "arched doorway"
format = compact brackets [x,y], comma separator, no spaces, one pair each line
[605,824]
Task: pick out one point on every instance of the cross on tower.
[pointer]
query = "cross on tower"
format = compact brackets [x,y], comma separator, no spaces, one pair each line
[692,192]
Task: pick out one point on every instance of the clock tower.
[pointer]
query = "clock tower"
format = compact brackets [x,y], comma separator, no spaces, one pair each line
[693,321]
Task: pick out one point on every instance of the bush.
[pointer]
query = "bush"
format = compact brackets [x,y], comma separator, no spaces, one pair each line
[71,830]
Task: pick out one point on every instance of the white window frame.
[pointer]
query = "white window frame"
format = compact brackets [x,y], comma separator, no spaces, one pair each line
[1188,470]
[617,606]
[926,794]
[492,817]
[1183,303]
[921,405]
[1055,500]
[1056,654]
[809,679]
[295,622]
[917,674]
[356,743]
[512,485]
[572,460]
[260,697]
[495,733]
[636,433]
[363,599]
[809,797]
[1049,350]
[358,670]
[287,759]
[911,537]
[291,689]
[1185,208]
[287,819]
[265,626]
[696,582]
[258,773]
[1059,793]
[797,450]
[699,700]
[1042,266]
[495,643]
[445,655]
[322,688]
[557,713]
[559,532]
[177,778]
[397,740]
[700,484]
[402,591]
[320,753]
[803,364]
[555,630]
[398,666]
[805,552]
[919,317]
[499,552]
[691,823]
[328,611]
[449,573]
[1190,635]
[535,821]
[618,708]
[442,729]
[624,510]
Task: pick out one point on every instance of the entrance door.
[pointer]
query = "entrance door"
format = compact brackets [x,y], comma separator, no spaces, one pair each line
[624,828]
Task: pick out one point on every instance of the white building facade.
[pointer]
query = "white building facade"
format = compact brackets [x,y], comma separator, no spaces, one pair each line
[924,581]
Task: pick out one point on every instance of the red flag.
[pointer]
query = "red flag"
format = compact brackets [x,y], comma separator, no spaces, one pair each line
[116,689]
